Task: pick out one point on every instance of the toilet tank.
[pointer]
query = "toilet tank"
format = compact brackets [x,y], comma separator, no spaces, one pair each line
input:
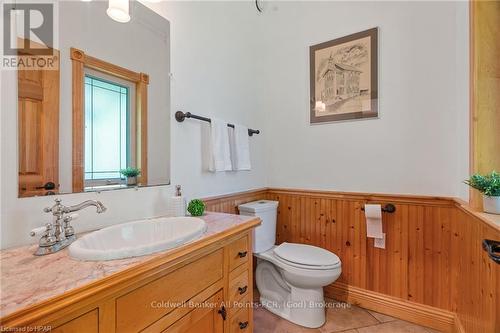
[264,236]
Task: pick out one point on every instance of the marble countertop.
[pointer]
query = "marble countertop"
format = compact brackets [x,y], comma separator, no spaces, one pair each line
[26,280]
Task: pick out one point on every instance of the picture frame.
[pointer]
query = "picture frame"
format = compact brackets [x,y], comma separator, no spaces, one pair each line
[344,78]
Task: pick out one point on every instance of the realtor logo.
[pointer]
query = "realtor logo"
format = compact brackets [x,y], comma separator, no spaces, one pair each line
[28,33]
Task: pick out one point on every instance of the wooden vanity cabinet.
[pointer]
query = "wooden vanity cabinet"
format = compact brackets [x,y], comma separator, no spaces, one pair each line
[239,288]
[158,296]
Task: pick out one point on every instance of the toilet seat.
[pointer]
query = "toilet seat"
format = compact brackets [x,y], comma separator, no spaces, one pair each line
[305,267]
[306,256]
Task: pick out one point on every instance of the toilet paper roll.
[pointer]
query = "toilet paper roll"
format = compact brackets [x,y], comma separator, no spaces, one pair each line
[373,215]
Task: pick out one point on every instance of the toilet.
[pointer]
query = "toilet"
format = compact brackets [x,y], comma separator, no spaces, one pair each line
[290,277]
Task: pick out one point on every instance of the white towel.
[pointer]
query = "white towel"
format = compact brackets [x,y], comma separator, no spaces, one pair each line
[219,146]
[240,148]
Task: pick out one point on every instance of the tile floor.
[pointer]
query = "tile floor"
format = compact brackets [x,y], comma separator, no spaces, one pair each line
[340,317]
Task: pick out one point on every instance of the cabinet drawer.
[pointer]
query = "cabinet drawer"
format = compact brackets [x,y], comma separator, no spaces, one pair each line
[88,322]
[143,306]
[239,285]
[240,322]
[238,252]
[238,305]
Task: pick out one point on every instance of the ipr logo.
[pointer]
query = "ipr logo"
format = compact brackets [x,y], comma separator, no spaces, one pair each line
[28,28]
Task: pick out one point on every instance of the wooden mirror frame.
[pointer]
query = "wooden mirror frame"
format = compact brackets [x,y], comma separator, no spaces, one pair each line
[80,61]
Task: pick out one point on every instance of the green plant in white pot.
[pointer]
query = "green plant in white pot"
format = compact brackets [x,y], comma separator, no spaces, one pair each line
[489,186]
[131,175]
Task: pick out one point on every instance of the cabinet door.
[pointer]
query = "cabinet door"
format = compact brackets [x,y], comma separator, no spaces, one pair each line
[134,311]
[206,319]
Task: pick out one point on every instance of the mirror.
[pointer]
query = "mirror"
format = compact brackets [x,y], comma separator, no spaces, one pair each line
[100,119]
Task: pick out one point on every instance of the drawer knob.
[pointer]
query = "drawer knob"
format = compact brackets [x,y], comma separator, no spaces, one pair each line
[242,254]
[223,312]
[242,290]
[243,325]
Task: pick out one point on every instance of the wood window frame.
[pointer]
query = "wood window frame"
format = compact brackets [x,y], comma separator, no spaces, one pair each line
[80,60]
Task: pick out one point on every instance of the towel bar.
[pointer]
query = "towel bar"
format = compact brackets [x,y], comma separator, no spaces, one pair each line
[180,116]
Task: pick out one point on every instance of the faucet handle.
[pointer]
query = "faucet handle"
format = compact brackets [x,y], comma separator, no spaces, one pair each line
[68,229]
[57,206]
[40,231]
[70,217]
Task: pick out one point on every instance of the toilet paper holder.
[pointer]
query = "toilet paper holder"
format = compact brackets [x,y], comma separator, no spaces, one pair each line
[388,208]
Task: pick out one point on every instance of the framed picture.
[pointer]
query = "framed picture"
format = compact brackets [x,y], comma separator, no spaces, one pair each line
[344,78]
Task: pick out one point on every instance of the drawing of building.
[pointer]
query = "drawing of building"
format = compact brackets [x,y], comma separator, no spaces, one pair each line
[340,81]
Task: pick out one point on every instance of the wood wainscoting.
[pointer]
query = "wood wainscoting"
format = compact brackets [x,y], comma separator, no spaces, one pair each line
[476,278]
[433,270]
[229,203]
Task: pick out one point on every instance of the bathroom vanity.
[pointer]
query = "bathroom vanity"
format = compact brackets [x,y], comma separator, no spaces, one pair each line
[202,286]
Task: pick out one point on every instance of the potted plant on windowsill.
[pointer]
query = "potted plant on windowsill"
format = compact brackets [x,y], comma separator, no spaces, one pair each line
[131,175]
[489,186]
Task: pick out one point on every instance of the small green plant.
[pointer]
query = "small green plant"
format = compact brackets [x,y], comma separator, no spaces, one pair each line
[130,172]
[196,207]
[488,184]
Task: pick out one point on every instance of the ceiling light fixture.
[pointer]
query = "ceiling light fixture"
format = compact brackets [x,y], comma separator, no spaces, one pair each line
[118,10]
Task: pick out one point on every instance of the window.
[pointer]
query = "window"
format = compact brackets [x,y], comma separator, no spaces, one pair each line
[110,116]
[108,129]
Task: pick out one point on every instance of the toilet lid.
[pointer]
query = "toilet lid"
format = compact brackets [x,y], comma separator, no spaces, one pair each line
[306,255]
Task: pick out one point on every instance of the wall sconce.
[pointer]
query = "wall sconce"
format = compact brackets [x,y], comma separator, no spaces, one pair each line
[118,10]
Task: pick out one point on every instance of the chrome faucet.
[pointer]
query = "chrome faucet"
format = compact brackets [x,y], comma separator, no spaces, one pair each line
[58,234]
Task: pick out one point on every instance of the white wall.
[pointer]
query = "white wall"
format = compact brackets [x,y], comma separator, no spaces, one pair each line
[419,144]
[215,59]
[214,73]
[229,62]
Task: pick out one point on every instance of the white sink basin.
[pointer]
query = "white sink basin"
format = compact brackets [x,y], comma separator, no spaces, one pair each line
[137,238]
